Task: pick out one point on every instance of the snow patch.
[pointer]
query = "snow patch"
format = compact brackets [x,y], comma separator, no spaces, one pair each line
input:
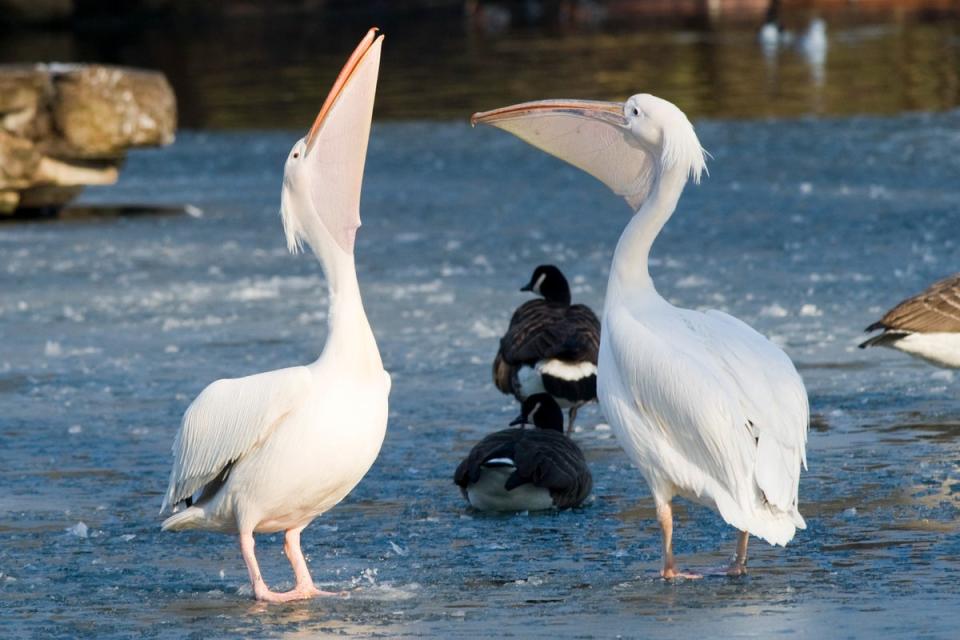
[945,375]
[483,330]
[774,311]
[692,281]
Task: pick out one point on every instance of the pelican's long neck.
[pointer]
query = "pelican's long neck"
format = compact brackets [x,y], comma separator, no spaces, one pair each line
[629,272]
[350,341]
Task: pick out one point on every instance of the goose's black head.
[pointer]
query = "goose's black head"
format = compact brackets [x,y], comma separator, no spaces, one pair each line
[543,411]
[548,281]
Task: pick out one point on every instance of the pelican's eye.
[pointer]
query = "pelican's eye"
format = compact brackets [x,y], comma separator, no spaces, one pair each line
[296,154]
[636,111]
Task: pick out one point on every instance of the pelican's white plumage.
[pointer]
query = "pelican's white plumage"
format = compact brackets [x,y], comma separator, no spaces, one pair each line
[272,451]
[706,407]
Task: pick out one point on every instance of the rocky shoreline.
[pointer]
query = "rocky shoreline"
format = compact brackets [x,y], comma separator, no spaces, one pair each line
[63,127]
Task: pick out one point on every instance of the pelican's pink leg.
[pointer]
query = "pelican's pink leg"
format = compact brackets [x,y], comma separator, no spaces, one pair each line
[669,571]
[305,586]
[739,565]
[260,590]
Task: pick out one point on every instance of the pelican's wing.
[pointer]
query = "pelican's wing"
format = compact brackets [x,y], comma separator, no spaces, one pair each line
[728,411]
[774,398]
[230,418]
[588,134]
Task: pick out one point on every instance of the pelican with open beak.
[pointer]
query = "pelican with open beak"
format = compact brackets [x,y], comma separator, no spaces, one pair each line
[705,407]
[272,451]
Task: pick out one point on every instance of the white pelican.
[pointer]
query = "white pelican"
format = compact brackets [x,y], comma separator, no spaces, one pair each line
[550,346]
[526,469]
[926,326]
[270,452]
[706,407]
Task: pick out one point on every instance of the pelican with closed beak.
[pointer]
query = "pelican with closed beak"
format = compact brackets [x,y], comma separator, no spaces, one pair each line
[706,407]
[272,451]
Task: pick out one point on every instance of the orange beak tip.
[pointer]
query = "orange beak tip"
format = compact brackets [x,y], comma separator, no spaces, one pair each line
[373,34]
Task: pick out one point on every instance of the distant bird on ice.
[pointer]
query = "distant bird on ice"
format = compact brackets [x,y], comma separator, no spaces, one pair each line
[926,326]
[550,346]
[813,44]
[772,33]
[523,469]
[706,407]
[270,452]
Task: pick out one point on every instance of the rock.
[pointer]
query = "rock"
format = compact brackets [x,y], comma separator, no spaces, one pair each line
[20,160]
[101,111]
[66,126]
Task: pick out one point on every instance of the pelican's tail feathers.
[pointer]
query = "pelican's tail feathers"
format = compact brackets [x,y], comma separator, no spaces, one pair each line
[769,523]
[189,518]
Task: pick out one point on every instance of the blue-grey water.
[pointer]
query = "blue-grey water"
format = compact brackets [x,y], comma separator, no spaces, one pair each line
[807,229]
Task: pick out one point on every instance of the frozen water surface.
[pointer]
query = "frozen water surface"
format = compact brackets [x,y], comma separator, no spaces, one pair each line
[807,229]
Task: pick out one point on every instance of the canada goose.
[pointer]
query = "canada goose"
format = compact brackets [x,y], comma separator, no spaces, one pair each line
[550,346]
[521,469]
[926,326]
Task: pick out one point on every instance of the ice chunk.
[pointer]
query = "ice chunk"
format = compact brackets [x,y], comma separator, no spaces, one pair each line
[691,281]
[483,330]
[774,311]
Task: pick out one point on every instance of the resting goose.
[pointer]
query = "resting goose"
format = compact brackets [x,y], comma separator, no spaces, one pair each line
[550,346]
[926,326]
[270,452]
[521,469]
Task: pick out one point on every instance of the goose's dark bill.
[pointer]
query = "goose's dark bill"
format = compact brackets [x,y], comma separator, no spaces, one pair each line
[524,469]
[550,346]
[926,326]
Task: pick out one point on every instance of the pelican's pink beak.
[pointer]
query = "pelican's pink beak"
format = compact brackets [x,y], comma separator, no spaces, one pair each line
[609,112]
[342,81]
[336,146]
[591,135]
